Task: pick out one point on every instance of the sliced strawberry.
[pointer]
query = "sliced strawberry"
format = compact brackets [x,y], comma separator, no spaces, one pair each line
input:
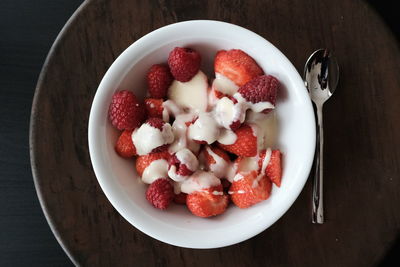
[208,202]
[237,66]
[245,144]
[160,193]
[143,161]
[260,89]
[124,146]
[274,167]
[154,107]
[180,198]
[250,189]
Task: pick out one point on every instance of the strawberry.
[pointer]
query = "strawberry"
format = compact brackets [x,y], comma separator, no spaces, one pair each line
[274,167]
[184,63]
[260,89]
[154,107]
[143,161]
[124,146]
[159,78]
[160,193]
[237,66]
[208,202]
[245,144]
[125,111]
[180,198]
[250,189]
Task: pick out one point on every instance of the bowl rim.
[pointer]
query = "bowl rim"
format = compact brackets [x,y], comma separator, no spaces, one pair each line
[114,200]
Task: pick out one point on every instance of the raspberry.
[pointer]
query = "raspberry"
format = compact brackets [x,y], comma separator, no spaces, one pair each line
[156,123]
[159,79]
[184,63]
[160,193]
[154,107]
[125,111]
[260,89]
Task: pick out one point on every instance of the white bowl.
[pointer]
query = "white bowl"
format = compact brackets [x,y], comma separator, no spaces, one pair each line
[118,178]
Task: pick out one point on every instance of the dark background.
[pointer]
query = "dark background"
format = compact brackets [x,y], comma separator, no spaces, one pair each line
[27,30]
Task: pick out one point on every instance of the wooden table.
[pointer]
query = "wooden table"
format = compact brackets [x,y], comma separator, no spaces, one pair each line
[362,129]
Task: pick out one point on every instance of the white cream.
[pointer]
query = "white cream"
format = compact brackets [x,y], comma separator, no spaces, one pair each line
[192,94]
[198,181]
[220,167]
[256,107]
[179,129]
[224,85]
[157,169]
[226,112]
[170,109]
[205,128]
[146,137]
[227,137]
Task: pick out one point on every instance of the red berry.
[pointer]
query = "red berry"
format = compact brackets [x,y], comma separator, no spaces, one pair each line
[124,146]
[154,107]
[250,190]
[125,111]
[184,63]
[159,79]
[245,144]
[160,193]
[237,66]
[260,89]
[206,204]
[274,167]
[156,123]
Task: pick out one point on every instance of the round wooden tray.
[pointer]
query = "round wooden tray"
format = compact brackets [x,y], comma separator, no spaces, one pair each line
[362,127]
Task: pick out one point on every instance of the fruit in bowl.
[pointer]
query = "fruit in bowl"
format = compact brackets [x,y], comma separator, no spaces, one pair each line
[190,137]
[125,182]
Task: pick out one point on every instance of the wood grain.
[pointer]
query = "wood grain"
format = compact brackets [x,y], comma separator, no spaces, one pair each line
[361,135]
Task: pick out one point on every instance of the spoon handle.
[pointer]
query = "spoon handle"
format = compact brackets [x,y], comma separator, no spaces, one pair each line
[318,203]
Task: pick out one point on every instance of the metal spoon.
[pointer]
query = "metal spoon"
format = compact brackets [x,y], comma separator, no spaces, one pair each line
[321,76]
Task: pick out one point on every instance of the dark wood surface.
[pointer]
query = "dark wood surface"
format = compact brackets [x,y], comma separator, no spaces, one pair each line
[361,125]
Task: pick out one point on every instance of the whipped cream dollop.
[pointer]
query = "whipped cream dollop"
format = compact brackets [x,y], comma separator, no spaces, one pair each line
[146,137]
